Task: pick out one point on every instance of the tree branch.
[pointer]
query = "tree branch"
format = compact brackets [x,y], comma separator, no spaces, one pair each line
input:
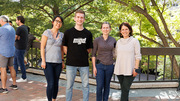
[164,24]
[150,19]
[147,37]
[42,9]
[78,8]
[96,8]
[144,5]
[164,5]
[68,9]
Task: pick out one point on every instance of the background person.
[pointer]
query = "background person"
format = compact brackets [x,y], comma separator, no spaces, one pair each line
[31,38]
[10,23]
[7,39]
[20,44]
[7,69]
[52,57]
[127,59]
[103,46]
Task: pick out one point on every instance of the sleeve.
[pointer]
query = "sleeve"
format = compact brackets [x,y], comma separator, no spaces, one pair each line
[18,31]
[46,33]
[95,47]
[65,39]
[137,50]
[114,50]
[1,30]
[89,43]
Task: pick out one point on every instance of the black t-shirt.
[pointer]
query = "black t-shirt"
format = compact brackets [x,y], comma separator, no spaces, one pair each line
[77,43]
[22,31]
[31,38]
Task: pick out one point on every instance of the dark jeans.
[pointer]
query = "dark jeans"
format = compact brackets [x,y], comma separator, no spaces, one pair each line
[19,61]
[125,83]
[52,73]
[103,78]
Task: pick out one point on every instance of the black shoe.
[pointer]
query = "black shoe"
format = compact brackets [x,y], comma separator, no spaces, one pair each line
[14,87]
[5,91]
[27,65]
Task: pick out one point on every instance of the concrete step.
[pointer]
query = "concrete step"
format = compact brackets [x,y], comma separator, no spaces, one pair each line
[115,85]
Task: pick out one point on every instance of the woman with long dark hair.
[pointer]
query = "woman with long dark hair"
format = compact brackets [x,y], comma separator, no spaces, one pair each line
[52,56]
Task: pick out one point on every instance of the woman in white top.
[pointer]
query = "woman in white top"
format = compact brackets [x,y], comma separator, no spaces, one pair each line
[128,57]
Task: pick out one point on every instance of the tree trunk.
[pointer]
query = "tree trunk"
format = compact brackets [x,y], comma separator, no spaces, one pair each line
[165,25]
[156,27]
[175,65]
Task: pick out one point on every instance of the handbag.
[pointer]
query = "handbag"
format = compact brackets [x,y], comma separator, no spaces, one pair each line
[40,60]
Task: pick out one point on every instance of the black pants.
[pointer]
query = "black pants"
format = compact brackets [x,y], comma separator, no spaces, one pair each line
[52,73]
[125,83]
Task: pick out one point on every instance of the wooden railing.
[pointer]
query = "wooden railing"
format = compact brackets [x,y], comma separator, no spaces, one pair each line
[157,64]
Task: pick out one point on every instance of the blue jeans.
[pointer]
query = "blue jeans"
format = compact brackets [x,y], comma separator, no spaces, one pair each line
[103,79]
[125,83]
[19,61]
[52,73]
[70,75]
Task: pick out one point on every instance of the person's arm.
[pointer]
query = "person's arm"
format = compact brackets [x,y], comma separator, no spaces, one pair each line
[94,65]
[37,40]
[62,56]
[65,49]
[18,32]
[136,67]
[89,50]
[64,42]
[137,57]
[94,51]
[43,45]
[17,37]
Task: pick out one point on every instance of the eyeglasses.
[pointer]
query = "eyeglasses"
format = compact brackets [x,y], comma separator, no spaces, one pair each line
[57,21]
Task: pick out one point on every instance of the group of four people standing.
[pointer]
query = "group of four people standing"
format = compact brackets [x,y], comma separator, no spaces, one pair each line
[76,43]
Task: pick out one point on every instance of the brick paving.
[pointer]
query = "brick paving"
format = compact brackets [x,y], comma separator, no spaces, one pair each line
[36,91]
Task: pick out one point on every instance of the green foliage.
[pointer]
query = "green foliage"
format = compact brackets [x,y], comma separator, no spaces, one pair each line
[39,15]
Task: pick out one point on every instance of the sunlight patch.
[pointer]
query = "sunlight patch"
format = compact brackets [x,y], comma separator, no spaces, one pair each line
[30,81]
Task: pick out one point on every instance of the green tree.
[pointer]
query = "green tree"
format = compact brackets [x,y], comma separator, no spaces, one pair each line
[145,8]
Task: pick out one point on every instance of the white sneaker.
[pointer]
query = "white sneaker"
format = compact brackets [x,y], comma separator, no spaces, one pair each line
[21,80]
[10,79]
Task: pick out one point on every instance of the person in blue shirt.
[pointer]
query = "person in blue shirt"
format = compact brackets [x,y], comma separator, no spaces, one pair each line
[7,40]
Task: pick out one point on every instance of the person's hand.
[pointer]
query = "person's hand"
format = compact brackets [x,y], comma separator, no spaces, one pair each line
[43,65]
[94,71]
[134,73]
[63,65]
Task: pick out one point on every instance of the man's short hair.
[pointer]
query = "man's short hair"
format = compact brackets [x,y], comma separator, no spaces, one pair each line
[80,11]
[5,18]
[10,21]
[21,18]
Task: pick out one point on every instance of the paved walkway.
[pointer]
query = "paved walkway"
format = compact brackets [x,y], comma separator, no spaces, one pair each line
[35,90]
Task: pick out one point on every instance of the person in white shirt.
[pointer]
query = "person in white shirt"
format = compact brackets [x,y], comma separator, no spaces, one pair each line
[128,56]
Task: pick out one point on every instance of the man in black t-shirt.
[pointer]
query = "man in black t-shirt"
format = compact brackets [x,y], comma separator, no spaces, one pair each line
[20,44]
[77,44]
